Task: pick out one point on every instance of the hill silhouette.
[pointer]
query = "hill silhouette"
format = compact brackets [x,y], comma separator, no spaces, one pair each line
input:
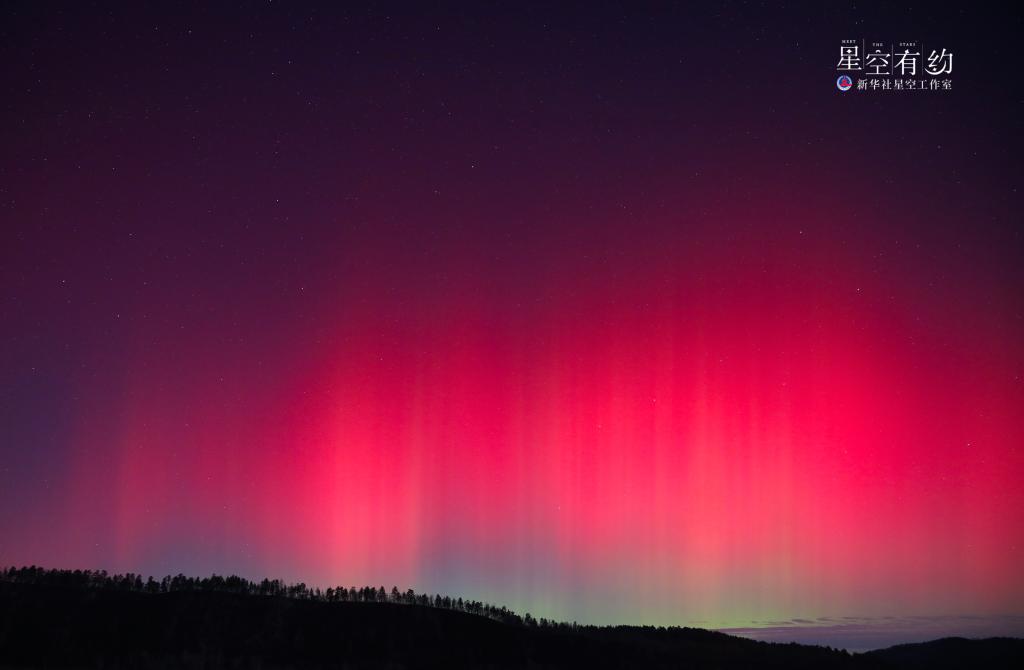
[63,619]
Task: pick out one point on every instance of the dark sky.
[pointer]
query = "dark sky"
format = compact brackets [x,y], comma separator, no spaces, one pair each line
[507,302]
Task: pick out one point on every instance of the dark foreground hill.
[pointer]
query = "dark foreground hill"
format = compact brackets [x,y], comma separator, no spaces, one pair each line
[952,652]
[45,626]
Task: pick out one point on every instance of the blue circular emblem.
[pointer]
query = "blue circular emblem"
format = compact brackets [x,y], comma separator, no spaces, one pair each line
[845,83]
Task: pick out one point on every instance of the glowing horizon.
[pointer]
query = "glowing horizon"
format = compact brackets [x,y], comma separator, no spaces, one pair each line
[673,459]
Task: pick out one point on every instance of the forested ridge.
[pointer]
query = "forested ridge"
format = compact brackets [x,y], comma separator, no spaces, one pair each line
[130,582]
[91,619]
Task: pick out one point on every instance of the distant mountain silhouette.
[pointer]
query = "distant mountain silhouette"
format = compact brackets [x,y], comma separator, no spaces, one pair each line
[952,652]
[51,619]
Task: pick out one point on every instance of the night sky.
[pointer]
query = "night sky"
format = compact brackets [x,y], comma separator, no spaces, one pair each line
[607,313]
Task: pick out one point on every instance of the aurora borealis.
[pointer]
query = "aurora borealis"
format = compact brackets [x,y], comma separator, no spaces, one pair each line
[602,314]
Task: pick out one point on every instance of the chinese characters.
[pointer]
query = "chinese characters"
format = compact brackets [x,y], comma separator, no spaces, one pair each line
[895,66]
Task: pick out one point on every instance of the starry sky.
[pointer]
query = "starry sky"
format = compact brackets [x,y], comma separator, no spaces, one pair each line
[608,313]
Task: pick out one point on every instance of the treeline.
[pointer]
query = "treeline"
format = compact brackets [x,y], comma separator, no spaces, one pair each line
[99,579]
